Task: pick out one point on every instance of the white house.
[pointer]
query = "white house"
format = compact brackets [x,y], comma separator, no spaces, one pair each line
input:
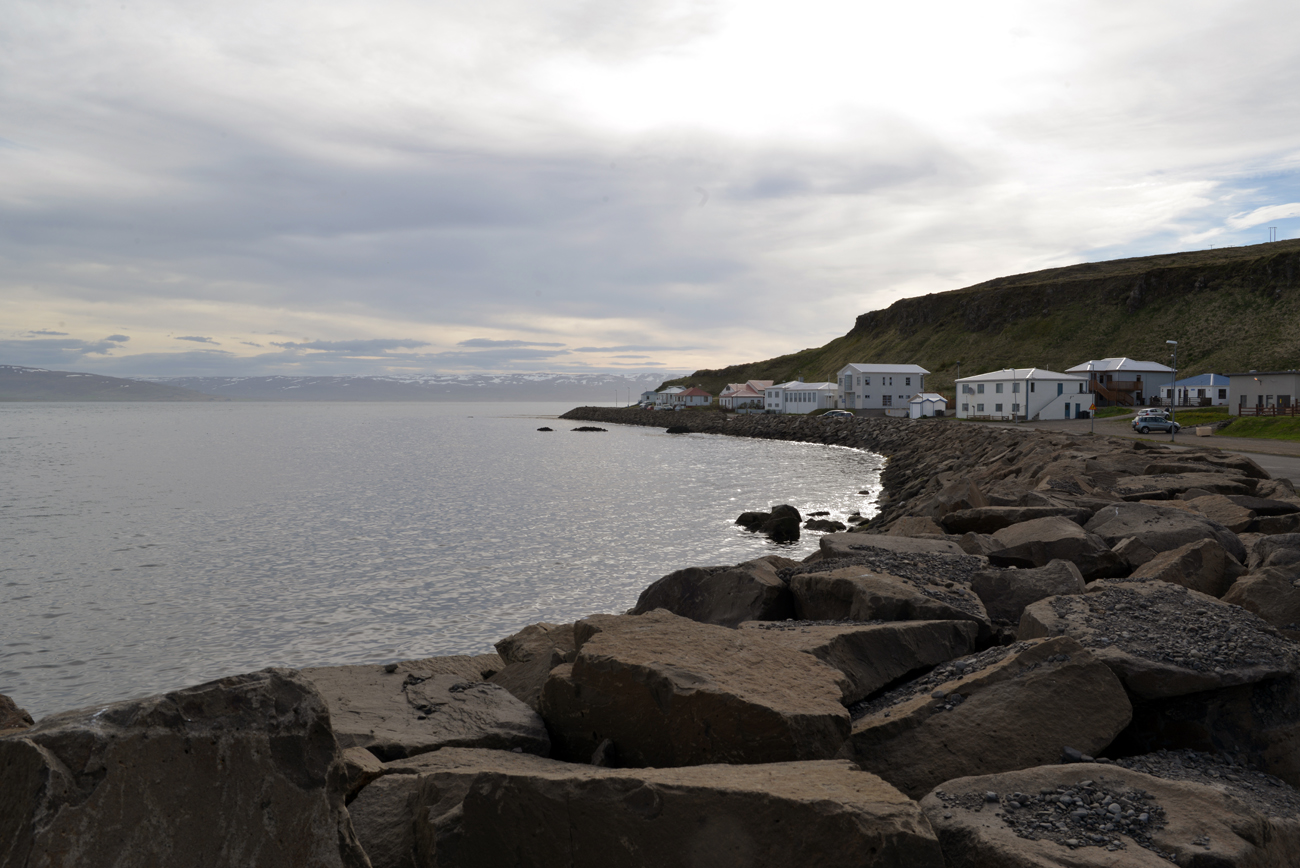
[692,397]
[648,397]
[1207,390]
[925,404]
[879,387]
[797,396]
[1263,393]
[1024,393]
[742,396]
[664,399]
[1124,381]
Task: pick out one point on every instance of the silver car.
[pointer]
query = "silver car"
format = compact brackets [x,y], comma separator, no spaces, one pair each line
[1147,424]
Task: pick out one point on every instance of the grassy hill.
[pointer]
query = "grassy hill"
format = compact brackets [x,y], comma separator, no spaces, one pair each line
[1232,309]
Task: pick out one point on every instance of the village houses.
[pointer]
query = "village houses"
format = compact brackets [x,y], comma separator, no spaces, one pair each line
[879,387]
[1023,393]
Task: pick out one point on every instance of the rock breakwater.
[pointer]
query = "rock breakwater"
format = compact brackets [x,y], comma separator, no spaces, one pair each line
[1044,650]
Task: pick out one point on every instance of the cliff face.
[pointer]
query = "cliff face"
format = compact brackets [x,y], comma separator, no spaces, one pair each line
[1230,309]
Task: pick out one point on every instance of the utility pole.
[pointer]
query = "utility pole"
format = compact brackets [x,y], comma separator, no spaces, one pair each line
[1173,406]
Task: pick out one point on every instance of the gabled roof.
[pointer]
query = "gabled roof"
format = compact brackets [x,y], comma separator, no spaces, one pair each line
[759,385]
[1121,364]
[1019,374]
[672,390]
[922,397]
[885,369]
[1202,380]
[696,392]
[795,385]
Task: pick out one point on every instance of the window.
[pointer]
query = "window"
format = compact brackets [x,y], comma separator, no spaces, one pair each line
[1223,394]
[979,408]
[886,400]
[909,381]
[1015,387]
[1081,388]
[997,408]
[1060,387]
[997,387]
[980,388]
[965,408]
[868,381]
[1031,385]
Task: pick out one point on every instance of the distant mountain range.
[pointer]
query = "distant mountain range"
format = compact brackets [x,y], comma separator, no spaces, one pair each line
[37,384]
[18,383]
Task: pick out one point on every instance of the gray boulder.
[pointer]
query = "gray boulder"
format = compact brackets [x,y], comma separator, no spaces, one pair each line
[872,656]
[530,655]
[862,594]
[475,810]
[1225,510]
[12,718]
[752,591]
[1202,565]
[1168,486]
[1038,542]
[990,519]
[1164,640]
[240,771]
[851,543]
[1006,592]
[1281,550]
[1007,708]
[669,691]
[416,708]
[1272,593]
[1161,528]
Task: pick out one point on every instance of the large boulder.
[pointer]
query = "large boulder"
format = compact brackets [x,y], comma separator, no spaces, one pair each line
[955,496]
[1089,816]
[872,656]
[241,771]
[1281,550]
[669,691]
[1161,528]
[529,657]
[989,519]
[752,591]
[1164,640]
[1272,593]
[1010,707]
[1038,542]
[1202,565]
[474,810]
[397,710]
[1225,510]
[1005,593]
[1168,486]
[861,594]
[12,718]
[851,543]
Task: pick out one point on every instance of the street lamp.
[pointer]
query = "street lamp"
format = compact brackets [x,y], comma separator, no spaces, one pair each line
[1173,389]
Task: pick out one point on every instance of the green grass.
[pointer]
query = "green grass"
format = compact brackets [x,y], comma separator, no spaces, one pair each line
[1265,427]
[1107,412]
[1190,417]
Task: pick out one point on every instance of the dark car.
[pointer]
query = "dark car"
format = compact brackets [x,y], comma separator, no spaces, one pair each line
[837,414]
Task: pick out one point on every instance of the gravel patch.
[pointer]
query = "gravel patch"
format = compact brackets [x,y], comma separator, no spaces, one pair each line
[1169,626]
[1091,813]
[1270,796]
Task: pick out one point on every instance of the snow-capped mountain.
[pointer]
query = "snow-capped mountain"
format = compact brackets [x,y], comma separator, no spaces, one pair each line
[593,388]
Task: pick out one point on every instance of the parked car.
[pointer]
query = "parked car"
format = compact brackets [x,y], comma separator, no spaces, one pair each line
[1153,411]
[837,414]
[1147,424]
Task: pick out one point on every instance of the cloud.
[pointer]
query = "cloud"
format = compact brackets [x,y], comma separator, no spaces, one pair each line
[44,332]
[485,342]
[250,344]
[1264,215]
[196,339]
[375,346]
[120,338]
[630,347]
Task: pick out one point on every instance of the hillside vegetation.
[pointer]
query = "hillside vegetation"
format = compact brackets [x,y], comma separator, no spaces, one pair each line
[1233,309]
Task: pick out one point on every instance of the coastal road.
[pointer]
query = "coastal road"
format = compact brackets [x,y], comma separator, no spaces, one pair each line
[1281,458]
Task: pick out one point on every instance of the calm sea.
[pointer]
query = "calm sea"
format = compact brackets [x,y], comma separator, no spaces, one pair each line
[144,547]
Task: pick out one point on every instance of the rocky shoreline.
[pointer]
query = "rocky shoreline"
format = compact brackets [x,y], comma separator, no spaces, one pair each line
[1044,650]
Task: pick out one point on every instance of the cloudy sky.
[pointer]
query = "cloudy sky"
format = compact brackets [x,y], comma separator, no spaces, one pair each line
[565,185]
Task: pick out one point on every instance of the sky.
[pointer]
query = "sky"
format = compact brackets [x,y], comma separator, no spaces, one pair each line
[403,188]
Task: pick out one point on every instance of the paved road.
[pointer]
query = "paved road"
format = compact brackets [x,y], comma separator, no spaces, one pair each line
[1281,458]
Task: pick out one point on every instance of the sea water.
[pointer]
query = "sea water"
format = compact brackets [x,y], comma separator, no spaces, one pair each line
[145,547]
